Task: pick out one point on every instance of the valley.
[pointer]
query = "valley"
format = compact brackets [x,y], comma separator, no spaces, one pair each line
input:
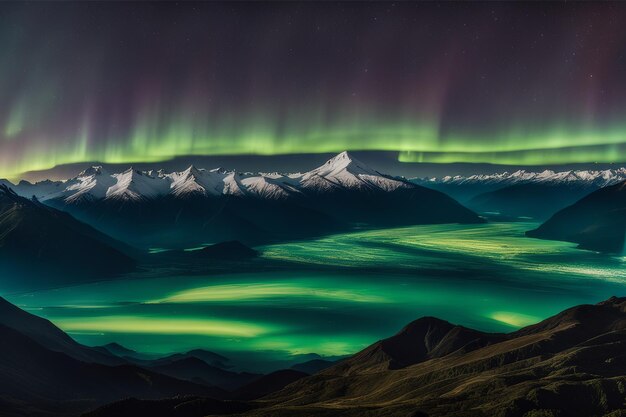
[331,297]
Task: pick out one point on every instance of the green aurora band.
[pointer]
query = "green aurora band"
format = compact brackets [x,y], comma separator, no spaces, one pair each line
[150,140]
[502,84]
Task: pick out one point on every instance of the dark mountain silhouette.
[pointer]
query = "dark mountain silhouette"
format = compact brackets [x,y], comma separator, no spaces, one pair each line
[212,358]
[48,381]
[197,370]
[536,200]
[313,366]
[182,406]
[117,350]
[35,236]
[267,384]
[596,222]
[49,336]
[231,250]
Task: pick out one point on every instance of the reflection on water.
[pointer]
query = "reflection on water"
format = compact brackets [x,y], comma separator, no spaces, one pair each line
[338,294]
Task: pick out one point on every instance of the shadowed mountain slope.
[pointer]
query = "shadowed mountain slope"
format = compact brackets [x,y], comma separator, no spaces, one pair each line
[48,381]
[536,200]
[596,222]
[35,236]
[231,250]
[49,336]
[267,384]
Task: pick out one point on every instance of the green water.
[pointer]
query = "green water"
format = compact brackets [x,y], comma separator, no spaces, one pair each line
[337,294]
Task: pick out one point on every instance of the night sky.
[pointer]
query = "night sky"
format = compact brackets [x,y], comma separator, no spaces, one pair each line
[500,83]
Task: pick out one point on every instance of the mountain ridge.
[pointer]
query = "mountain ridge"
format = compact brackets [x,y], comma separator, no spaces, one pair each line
[602,177]
[95,183]
[198,206]
[568,364]
[595,222]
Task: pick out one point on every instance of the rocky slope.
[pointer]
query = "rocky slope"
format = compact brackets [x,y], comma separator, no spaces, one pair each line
[572,364]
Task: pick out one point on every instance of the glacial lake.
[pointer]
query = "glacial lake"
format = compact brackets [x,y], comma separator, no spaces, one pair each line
[337,294]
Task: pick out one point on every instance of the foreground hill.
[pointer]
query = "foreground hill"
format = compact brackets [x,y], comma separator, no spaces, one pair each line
[181,209]
[571,364]
[596,222]
[51,337]
[35,236]
[38,381]
[43,372]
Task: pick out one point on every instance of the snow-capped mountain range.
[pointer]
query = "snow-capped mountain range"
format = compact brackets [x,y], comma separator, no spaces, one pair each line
[600,178]
[149,209]
[523,193]
[343,172]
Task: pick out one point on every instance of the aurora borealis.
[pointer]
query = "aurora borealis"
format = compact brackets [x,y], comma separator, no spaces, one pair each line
[524,83]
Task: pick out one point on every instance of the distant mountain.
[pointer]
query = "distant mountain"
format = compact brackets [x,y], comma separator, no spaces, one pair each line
[524,193]
[198,206]
[570,364]
[196,370]
[464,188]
[313,366]
[538,200]
[596,222]
[231,250]
[36,237]
[342,172]
[117,350]
[212,358]
[351,192]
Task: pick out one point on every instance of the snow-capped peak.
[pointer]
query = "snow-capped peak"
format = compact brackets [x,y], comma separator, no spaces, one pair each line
[196,181]
[344,161]
[267,187]
[91,184]
[342,172]
[345,171]
[133,185]
[93,170]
